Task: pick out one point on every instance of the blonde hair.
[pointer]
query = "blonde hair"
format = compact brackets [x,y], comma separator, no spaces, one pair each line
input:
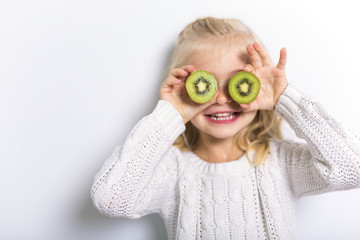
[203,34]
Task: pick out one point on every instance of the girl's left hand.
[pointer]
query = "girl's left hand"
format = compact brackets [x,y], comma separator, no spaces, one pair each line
[273,79]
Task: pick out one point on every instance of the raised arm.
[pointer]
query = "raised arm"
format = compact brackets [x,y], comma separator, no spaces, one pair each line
[330,158]
[139,175]
[135,179]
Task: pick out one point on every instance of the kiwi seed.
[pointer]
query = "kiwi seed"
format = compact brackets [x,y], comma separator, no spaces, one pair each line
[244,87]
[201,86]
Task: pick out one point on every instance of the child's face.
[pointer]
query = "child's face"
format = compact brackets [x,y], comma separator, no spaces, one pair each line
[225,118]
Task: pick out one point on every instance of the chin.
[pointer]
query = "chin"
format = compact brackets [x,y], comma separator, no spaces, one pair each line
[222,134]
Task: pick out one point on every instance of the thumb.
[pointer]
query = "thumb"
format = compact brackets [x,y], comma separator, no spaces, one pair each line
[196,108]
[211,102]
[248,107]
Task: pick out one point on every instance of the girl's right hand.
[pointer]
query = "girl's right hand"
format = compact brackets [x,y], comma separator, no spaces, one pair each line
[173,90]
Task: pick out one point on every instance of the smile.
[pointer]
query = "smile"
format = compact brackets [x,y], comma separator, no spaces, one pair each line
[223,118]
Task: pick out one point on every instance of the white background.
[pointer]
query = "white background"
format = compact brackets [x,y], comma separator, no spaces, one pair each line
[75,77]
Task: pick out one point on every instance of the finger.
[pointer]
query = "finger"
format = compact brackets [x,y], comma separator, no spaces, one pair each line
[265,58]
[249,68]
[255,59]
[171,81]
[282,60]
[178,73]
[189,68]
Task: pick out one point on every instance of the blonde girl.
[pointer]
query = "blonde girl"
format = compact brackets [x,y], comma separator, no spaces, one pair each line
[221,170]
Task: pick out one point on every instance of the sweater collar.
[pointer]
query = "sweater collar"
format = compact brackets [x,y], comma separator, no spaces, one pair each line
[240,166]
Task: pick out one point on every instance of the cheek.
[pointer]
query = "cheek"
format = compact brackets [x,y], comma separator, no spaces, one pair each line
[198,121]
[243,121]
[248,117]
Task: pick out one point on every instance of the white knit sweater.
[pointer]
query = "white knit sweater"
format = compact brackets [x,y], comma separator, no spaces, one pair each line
[232,200]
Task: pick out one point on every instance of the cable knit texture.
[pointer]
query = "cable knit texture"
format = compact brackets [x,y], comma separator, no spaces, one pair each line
[232,200]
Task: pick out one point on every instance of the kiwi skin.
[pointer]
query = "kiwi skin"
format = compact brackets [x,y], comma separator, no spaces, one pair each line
[244,87]
[201,86]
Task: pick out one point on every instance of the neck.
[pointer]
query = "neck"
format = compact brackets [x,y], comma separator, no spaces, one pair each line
[215,150]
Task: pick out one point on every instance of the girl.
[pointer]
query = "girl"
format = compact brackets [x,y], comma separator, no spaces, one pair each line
[220,170]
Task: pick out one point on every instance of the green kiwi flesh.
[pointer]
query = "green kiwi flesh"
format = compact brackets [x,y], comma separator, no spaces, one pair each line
[244,87]
[201,86]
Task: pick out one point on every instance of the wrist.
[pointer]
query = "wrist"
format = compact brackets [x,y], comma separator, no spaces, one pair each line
[289,101]
[279,93]
[169,118]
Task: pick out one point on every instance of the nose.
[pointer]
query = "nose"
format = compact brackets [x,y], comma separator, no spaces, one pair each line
[223,97]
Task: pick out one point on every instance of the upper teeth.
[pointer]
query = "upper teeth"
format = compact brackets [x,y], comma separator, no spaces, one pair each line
[223,116]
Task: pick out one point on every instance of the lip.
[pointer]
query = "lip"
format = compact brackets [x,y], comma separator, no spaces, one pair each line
[228,121]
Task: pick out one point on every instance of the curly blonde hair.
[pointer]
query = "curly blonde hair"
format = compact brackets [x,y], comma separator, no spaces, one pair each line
[202,34]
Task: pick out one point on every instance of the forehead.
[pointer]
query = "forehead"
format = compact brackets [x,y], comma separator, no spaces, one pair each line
[221,59]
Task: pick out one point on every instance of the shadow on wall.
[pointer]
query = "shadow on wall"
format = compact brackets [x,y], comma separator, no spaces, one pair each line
[91,224]
[163,74]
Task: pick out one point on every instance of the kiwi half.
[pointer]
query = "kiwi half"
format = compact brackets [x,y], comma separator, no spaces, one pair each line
[244,87]
[201,86]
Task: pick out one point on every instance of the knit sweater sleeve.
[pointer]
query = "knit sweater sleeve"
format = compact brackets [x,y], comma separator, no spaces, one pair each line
[134,180]
[330,158]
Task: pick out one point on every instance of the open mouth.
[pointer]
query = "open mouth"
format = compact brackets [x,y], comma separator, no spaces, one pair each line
[223,117]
